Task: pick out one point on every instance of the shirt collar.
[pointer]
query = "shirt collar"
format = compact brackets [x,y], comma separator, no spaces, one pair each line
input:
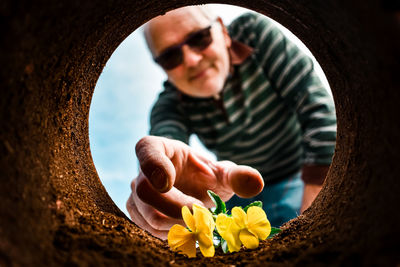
[239,52]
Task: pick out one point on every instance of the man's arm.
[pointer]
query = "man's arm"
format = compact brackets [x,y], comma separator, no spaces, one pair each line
[167,116]
[292,75]
[173,175]
[313,177]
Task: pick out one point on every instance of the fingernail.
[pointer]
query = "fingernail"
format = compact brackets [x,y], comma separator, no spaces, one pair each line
[159,179]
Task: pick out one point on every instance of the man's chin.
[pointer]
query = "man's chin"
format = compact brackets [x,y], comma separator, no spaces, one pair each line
[210,91]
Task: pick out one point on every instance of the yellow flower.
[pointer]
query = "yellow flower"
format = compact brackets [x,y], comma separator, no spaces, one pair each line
[201,225]
[242,228]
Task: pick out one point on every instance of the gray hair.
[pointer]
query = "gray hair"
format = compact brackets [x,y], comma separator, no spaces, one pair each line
[205,10]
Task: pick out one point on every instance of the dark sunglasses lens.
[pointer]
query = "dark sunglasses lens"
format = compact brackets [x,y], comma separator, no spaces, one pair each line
[173,57]
[170,58]
[200,40]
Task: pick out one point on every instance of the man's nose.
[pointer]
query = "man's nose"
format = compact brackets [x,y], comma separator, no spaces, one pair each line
[190,57]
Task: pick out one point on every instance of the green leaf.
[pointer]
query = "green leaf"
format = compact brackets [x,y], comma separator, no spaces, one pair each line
[216,234]
[224,246]
[219,204]
[274,231]
[255,203]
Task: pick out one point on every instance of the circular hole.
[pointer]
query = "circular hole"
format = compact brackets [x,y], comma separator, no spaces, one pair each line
[122,100]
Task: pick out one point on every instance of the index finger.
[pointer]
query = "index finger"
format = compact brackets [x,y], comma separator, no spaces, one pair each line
[155,163]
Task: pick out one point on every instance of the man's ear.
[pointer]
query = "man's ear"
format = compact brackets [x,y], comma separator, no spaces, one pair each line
[225,33]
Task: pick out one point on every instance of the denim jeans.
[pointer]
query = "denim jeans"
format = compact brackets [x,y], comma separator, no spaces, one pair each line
[281,200]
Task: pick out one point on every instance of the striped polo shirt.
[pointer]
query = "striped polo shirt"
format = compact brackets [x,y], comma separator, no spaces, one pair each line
[273,113]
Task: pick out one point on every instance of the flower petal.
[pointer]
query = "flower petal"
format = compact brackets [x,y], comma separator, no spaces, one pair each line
[206,244]
[205,240]
[229,231]
[188,248]
[248,239]
[222,222]
[203,219]
[207,251]
[188,218]
[181,240]
[178,235]
[239,216]
[234,244]
[257,222]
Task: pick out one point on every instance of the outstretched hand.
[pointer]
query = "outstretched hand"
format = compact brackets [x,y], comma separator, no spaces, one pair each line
[173,175]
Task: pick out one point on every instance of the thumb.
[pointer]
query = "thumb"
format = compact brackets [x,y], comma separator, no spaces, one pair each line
[245,181]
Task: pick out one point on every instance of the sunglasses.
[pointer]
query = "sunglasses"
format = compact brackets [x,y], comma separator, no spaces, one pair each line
[172,57]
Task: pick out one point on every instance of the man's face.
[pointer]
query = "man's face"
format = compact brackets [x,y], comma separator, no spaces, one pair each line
[201,74]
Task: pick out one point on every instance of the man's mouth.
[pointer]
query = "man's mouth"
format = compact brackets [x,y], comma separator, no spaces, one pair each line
[199,74]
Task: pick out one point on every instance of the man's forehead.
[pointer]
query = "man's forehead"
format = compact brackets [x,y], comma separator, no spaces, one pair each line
[191,14]
[182,20]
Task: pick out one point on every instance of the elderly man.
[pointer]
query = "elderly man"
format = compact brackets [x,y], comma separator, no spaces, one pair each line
[253,98]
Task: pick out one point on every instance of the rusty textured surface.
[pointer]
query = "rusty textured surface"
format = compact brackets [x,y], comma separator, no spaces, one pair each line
[53,207]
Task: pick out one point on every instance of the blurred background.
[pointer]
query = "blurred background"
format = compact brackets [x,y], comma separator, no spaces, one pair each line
[121,104]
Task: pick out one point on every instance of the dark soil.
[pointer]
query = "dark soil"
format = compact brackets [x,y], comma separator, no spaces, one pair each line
[53,208]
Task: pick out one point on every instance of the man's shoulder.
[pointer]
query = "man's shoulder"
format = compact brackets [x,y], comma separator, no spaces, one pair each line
[168,87]
[169,92]
[248,25]
[247,16]
[246,20]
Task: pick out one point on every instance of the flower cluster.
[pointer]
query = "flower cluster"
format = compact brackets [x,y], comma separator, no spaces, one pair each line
[200,227]
[245,226]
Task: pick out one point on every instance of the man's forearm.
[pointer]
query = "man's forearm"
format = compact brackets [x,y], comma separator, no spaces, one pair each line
[313,177]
